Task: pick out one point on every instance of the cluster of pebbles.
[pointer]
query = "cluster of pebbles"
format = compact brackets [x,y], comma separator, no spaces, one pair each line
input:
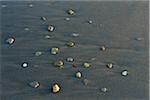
[59,63]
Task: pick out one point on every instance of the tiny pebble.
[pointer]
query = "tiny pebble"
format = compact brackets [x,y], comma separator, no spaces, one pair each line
[43,18]
[85,81]
[124,73]
[47,36]
[50,28]
[26,29]
[104,89]
[78,74]
[59,63]
[70,59]
[34,84]
[86,65]
[54,50]
[71,12]
[3,6]
[75,34]
[25,64]
[74,65]
[67,19]
[30,5]
[90,21]
[110,65]
[55,88]
[70,44]
[10,40]
[139,39]
[38,53]
[103,48]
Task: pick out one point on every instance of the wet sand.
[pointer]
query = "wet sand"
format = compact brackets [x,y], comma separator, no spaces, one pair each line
[115,25]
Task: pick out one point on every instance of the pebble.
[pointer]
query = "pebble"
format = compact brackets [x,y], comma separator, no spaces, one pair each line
[103,48]
[124,73]
[110,65]
[78,74]
[24,64]
[26,29]
[48,36]
[71,12]
[85,81]
[74,65]
[50,28]
[104,89]
[43,18]
[3,6]
[70,59]
[34,84]
[54,50]
[38,53]
[59,63]
[55,88]
[10,40]
[86,65]
[139,39]
[90,21]
[75,34]
[67,19]
[30,5]
[70,44]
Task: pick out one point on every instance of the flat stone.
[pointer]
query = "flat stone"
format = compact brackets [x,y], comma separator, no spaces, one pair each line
[34,84]
[10,40]
[75,34]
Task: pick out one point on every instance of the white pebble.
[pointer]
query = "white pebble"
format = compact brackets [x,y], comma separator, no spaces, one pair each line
[70,59]
[67,19]
[24,65]
[124,73]
[38,53]
[34,84]
[104,89]
[75,34]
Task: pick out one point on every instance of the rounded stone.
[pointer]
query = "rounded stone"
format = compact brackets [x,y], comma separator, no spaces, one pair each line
[74,65]
[71,12]
[70,44]
[78,74]
[90,21]
[24,64]
[56,88]
[104,89]
[30,5]
[26,29]
[67,19]
[50,28]
[34,84]
[38,53]
[59,63]
[10,40]
[103,48]
[110,65]
[124,73]
[54,50]
[70,59]
[87,65]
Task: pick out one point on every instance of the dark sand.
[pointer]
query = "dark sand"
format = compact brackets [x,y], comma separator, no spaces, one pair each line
[115,24]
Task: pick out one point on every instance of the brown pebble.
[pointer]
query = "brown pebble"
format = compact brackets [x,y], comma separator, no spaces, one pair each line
[59,63]
[55,88]
[70,44]
[74,65]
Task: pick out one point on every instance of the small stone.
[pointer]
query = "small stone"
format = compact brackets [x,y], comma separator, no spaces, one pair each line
[104,89]
[70,44]
[34,84]
[43,18]
[10,40]
[103,48]
[50,28]
[38,53]
[3,6]
[47,37]
[90,21]
[70,59]
[75,34]
[24,64]
[55,88]
[139,39]
[26,29]
[71,12]
[54,50]
[124,73]
[67,19]
[85,81]
[74,65]
[30,5]
[78,74]
[86,65]
[59,63]
[110,65]
[93,59]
